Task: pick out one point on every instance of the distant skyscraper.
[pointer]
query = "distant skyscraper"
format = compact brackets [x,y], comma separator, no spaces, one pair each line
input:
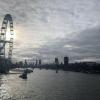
[66,60]
[36,63]
[25,63]
[56,61]
[40,62]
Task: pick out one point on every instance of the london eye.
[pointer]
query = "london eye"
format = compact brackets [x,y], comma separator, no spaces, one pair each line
[3,37]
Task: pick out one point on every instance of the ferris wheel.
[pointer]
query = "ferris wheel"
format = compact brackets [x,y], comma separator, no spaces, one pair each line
[7,21]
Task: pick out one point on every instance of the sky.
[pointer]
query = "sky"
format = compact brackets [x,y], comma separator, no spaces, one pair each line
[46,29]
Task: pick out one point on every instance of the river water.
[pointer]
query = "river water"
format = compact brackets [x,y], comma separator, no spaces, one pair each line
[49,85]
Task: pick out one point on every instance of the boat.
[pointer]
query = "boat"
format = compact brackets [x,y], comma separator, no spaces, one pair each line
[24,75]
[29,70]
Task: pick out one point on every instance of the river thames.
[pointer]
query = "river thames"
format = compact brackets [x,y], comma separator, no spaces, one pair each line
[49,85]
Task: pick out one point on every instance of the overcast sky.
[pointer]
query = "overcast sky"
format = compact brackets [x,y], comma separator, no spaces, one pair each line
[55,28]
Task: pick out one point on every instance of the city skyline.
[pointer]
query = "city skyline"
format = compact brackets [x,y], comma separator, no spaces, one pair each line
[43,30]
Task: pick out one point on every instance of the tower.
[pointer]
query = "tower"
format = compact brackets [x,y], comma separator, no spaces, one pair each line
[39,62]
[56,61]
[66,60]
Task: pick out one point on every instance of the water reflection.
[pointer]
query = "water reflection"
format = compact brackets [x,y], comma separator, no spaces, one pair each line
[4,89]
[49,85]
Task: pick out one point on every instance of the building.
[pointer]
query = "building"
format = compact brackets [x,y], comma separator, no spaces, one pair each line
[39,61]
[66,60]
[36,64]
[56,61]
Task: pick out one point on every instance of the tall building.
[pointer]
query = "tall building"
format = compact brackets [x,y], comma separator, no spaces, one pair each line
[39,61]
[36,64]
[66,60]
[56,61]
[25,63]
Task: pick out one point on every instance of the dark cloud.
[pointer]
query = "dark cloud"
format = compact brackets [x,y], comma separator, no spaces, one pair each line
[50,28]
[82,46]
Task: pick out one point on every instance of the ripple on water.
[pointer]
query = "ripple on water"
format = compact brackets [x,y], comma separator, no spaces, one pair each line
[4,94]
[48,85]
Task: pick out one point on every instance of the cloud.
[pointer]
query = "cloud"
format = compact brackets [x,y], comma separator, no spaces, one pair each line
[84,45]
[46,31]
